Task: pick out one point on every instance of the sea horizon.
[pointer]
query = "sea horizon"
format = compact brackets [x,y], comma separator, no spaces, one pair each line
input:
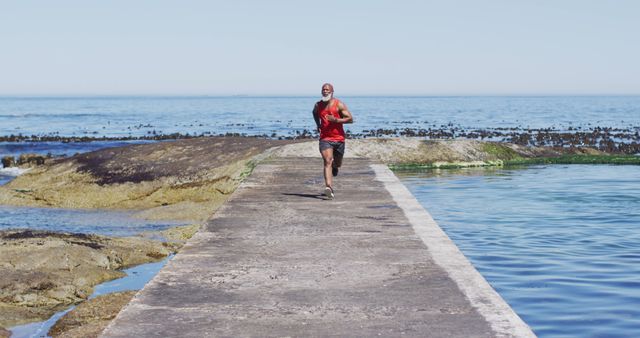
[226,96]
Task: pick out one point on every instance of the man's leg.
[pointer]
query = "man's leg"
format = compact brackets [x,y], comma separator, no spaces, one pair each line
[338,154]
[327,157]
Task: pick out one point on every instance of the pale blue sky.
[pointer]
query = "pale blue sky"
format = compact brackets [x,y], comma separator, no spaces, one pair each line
[291,47]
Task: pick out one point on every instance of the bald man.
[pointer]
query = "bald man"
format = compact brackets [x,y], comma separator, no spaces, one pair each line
[330,114]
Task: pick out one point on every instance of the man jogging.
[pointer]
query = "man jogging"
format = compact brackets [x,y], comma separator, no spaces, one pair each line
[330,114]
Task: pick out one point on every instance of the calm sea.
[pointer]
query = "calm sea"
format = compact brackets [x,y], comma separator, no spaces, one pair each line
[559,243]
[140,116]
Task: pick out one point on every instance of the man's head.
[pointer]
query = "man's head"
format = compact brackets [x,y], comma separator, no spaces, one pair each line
[327,92]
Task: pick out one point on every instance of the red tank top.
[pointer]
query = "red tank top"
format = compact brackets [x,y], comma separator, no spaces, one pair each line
[330,131]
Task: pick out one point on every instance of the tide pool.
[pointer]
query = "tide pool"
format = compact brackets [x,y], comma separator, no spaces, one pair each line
[561,244]
[135,279]
[87,221]
[102,222]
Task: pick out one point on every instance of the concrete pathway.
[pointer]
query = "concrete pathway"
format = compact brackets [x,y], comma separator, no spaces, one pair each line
[279,260]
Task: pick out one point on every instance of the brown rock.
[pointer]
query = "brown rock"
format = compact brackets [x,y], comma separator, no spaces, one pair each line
[183,159]
[30,160]
[44,272]
[184,180]
[8,161]
[4,333]
[91,317]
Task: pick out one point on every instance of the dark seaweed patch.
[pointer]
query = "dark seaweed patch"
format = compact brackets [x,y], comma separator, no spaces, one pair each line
[72,238]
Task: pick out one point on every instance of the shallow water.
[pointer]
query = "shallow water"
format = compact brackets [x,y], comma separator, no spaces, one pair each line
[15,149]
[561,244]
[101,222]
[8,174]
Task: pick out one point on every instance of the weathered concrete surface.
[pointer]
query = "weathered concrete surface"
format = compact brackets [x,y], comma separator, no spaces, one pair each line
[279,260]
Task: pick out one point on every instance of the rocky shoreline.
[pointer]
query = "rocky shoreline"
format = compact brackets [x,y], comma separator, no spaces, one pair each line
[184,180]
[44,272]
[603,138]
[187,180]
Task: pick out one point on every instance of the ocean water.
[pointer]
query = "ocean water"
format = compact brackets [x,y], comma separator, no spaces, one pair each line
[58,148]
[142,116]
[561,244]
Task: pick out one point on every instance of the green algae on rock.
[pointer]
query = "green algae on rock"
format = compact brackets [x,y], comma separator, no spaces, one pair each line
[465,154]
[579,159]
[500,151]
[521,161]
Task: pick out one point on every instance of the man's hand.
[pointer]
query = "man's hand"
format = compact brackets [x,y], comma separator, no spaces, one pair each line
[331,118]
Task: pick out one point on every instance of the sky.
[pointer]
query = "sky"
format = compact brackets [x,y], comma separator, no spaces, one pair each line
[282,47]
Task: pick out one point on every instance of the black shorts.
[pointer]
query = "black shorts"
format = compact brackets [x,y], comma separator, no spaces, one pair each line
[338,147]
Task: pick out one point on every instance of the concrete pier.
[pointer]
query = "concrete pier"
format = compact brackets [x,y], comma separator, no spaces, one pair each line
[280,260]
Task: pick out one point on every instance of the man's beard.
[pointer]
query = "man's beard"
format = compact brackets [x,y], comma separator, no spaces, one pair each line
[327,98]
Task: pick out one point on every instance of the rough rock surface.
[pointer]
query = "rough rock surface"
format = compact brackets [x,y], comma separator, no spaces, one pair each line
[25,160]
[91,317]
[183,180]
[180,234]
[44,272]
[416,150]
[8,161]
[30,160]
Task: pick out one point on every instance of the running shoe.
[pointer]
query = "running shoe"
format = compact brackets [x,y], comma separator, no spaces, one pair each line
[328,192]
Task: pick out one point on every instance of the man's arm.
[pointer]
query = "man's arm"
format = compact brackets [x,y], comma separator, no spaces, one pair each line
[316,117]
[345,115]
